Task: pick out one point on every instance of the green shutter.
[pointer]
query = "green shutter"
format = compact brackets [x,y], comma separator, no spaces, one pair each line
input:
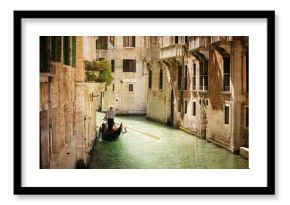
[53,48]
[74,51]
[44,54]
[66,50]
[58,49]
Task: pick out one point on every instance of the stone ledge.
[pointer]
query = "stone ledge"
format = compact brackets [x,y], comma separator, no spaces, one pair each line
[244,152]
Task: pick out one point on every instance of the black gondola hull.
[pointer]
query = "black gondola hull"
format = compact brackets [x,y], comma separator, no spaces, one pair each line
[113,135]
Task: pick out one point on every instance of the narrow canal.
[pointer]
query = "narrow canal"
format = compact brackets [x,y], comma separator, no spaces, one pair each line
[162,147]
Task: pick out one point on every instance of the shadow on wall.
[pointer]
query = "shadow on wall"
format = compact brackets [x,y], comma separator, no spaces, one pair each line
[215,79]
[80,164]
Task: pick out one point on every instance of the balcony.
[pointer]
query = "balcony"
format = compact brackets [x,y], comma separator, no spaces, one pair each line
[172,51]
[101,54]
[217,39]
[199,43]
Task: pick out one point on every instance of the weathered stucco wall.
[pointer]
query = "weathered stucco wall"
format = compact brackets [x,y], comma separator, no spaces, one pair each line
[208,121]
[67,113]
[125,101]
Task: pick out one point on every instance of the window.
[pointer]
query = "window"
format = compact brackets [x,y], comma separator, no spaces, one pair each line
[186,39]
[247,73]
[66,50]
[179,105]
[179,76]
[185,106]
[113,88]
[56,48]
[73,53]
[44,54]
[226,74]
[185,77]
[203,75]
[131,87]
[176,39]
[247,117]
[194,77]
[129,41]
[193,108]
[150,79]
[129,65]
[227,114]
[113,65]
[112,40]
[102,43]
[161,79]
[106,87]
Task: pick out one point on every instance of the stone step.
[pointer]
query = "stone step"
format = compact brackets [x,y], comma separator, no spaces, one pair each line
[244,152]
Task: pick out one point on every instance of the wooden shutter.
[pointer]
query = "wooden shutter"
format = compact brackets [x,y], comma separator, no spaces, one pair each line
[134,65]
[227,114]
[133,41]
[44,54]
[66,50]
[113,65]
[73,51]
[150,79]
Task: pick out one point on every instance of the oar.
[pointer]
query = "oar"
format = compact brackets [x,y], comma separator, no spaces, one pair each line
[150,135]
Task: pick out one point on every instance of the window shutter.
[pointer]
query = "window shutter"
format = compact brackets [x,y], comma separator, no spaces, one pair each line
[66,50]
[74,51]
[133,41]
[134,65]
[44,54]
[179,76]
[113,65]
[227,114]
[150,79]
[58,49]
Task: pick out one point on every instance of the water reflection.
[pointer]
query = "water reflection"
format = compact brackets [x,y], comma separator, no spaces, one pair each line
[174,149]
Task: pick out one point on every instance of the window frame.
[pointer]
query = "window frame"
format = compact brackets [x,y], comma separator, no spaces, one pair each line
[203,76]
[185,77]
[129,65]
[113,65]
[102,43]
[185,106]
[246,116]
[227,122]
[129,41]
[194,108]
[160,79]
[150,79]
[227,76]
[131,87]
[194,77]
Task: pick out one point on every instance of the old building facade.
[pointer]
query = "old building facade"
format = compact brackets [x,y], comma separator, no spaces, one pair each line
[200,84]
[67,104]
[127,55]
[195,83]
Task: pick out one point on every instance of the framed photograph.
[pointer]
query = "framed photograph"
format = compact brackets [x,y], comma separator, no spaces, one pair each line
[144,102]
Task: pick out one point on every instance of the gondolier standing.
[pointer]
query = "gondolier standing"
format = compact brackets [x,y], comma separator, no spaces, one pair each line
[110,117]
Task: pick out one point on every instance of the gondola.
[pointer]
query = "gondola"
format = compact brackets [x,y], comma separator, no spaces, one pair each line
[112,134]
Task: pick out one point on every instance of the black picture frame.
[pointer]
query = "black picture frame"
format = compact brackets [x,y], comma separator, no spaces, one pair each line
[19,189]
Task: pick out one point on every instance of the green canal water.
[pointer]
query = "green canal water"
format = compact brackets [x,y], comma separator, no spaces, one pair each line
[170,149]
